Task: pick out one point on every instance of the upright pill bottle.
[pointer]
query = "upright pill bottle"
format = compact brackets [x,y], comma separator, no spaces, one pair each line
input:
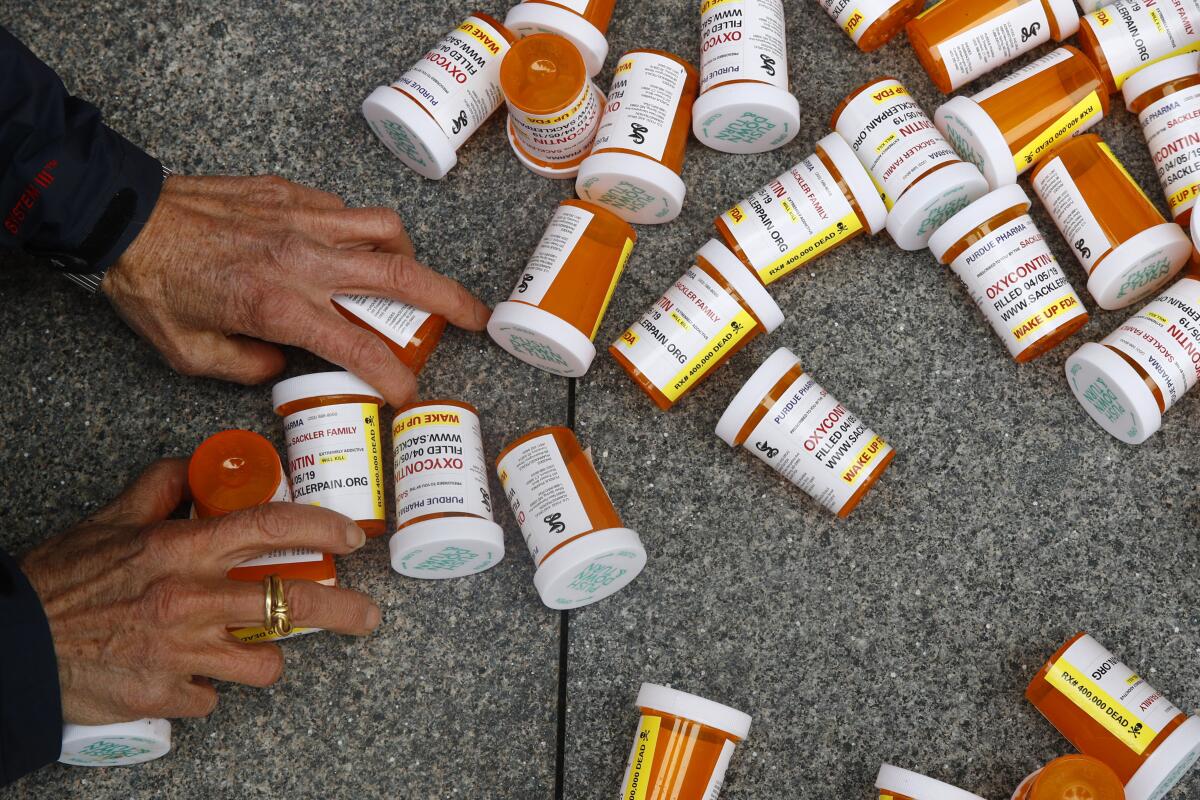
[1166,98]
[715,309]
[744,104]
[1006,128]
[1129,35]
[583,22]
[554,312]
[682,747]
[1119,237]
[1004,262]
[637,156]
[895,783]
[435,107]
[918,174]
[1110,713]
[1073,777]
[871,24]
[444,522]
[410,333]
[958,41]
[120,744]
[819,204]
[334,451]
[582,551]
[787,420]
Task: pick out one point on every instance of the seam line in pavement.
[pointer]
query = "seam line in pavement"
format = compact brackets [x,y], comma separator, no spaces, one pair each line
[564,647]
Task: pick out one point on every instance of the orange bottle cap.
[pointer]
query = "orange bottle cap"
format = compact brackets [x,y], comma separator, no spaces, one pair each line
[917,786]
[233,470]
[526,19]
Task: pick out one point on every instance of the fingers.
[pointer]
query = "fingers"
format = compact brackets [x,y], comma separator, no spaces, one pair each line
[151,497]
[310,604]
[328,335]
[266,190]
[222,543]
[364,228]
[240,359]
[237,662]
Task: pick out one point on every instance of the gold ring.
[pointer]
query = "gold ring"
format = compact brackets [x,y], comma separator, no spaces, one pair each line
[278,615]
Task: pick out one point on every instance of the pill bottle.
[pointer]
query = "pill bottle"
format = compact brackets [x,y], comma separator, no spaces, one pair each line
[1119,237]
[410,333]
[427,115]
[1129,35]
[997,251]
[1088,6]
[334,452]
[871,24]
[444,523]
[1166,98]
[1073,777]
[120,744]
[819,204]
[895,783]
[921,179]
[744,104]
[1006,128]
[553,106]
[715,309]
[553,314]
[582,551]
[637,156]
[583,22]
[1109,713]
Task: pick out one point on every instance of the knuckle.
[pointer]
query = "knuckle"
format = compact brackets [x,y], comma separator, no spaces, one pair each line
[273,188]
[267,520]
[304,600]
[167,601]
[290,249]
[367,353]
[151,698]
[388,222]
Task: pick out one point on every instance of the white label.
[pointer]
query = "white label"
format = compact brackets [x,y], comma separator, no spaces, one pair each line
[713,790]
[742,40]
[1164,339]
[1172,130]
[856,16]
[1024,73]
[335,459]
[979,50]
[557,243]
[1018,284]
[1135,33]
[565,135]
[542,495]
[398,321]
[439,464]
[1075,221]
[641,104]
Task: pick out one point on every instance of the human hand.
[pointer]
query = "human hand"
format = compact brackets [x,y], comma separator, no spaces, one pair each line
[139,606]
[226,265]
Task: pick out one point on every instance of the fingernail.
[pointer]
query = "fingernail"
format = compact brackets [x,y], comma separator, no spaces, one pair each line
[374,616]
[355,536]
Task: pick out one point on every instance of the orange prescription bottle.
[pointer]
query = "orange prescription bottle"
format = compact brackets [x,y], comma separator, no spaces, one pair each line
[410,333]
[744,104]
[1128,250]
[555,310]
[1005,264]
[921,179]
[1007,127]
[582,551]
[683,746]
[444,523]
[120,744]
[822,202]
[334,452]
[1129,35]
[1073,777]
[958,41]
[583,22]
[871,24]
[895,783]
[553,106]
[715,309]
[802,432]
[427,114]
[1113,715]
[637,156]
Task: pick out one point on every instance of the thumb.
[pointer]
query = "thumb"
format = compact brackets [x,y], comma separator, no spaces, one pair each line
[151,497]
[237,358]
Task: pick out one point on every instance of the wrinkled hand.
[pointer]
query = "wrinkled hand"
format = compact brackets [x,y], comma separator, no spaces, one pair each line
[227,264]
[139,606]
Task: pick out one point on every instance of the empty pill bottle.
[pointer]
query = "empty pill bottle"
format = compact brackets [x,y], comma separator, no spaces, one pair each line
[920,177]
[784,417]
[895,783]
[334,451]
[1072,777]
[582,550]
[553,106]
[1110,713]
[1004,262]
[444,522]
[1118,236]
[957,41]
[410,333]
[637,157]
[427,115]
[554,312]
[716,308]
[1166,98]
[819,204]
[121,744]
[871,24]
[682,747]
[1007,127]
[583,22]
[1129,35]
[745,105]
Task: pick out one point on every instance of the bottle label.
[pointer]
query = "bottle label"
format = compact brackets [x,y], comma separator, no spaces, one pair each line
[562,236]
[1089,6]
[978,50]
[542,495]
[1023,74]
[1172,130]
[856,16]
[713,790]
[683,335]
[742,40]
[335,458]
[563,136]
[1077,119]
[641,759]
[398,321]
[642,104]
[439,464]
[1136,33]
[578,6]
[1074,219]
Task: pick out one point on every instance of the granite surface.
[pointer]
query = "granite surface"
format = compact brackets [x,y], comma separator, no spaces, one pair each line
[906,633]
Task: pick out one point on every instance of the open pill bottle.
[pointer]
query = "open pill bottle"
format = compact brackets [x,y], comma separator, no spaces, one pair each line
[744,104]
[957,41]
[716,308]
[1109,713]
[583,22]
[997,251]
[410,333]
[1129,35]
[871,24]
[120,744]
[787,420]
[918,174]
[819,204]
[1072,777]
[895,783]
[555,310]
[1007,127]
[1119,237]
[582,551]
[334,452]
[682,747]
[637,156]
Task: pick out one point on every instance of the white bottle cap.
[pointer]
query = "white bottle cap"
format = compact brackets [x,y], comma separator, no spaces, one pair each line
[957,227]
[695,708]
[1158,73]
[858,179]
[752,392]
[1164,245]
[932,200]
[610,179]
[539,338]
[1167,765]
[1113,393]
[739,276]
[320,384]
[526,19]
[447,547]
[977,138]
[1066,16]
[409,132]
[917,786]
[589,569]
[118,745]
[722,117]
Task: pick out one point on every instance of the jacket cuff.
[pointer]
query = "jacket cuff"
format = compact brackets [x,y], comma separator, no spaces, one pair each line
[138,181]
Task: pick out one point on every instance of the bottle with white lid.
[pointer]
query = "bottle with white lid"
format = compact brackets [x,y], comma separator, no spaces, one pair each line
[584,22]
[871,24]
[895,783]
[120,744]
[1129,35]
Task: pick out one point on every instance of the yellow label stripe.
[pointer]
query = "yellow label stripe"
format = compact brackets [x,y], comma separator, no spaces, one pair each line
[641,760]
[727,338]
[612,286]
[1084,692]
[807,251]
[1070,122]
